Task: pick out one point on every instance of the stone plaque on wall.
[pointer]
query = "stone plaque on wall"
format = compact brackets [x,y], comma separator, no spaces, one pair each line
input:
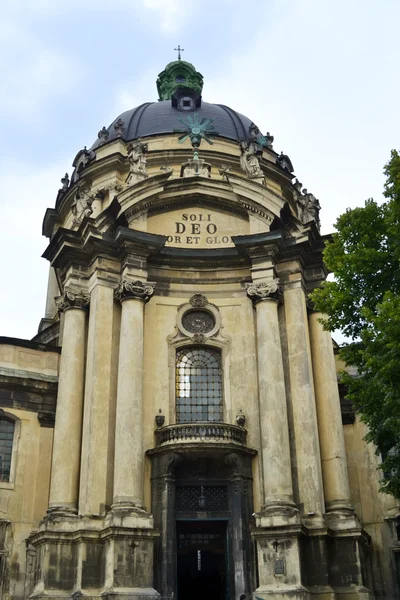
[197,228]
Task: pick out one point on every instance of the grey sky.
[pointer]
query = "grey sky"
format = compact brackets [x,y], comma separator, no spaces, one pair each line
[321,76]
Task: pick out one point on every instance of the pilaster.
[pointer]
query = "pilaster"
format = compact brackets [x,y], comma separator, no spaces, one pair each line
[99,411]
[305,427]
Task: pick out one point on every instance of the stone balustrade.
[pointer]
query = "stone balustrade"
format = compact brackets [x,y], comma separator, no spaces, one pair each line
[201,432]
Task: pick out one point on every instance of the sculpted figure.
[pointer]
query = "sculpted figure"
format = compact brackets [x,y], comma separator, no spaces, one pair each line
[309,208]
[81,206]
[137,162]
[65,183]
[250,159]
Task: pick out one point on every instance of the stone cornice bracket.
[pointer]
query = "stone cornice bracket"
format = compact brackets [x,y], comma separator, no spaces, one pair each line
[137,290]
[72,299]
[258,292]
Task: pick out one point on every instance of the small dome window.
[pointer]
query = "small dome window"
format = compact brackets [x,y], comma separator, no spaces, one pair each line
[186,103]
[180,79]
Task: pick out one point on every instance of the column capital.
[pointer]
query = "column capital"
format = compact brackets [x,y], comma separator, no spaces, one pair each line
[136,290]
[72,299]
[259,292]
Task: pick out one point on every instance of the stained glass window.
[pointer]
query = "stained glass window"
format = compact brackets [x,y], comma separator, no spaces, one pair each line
[198,378]
[6,444]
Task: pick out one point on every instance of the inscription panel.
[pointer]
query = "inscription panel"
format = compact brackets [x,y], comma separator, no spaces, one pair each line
[198,228]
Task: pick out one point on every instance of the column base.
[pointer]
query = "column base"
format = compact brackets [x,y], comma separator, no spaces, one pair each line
[95,558]
[353,593]
[277,515]
[131,593]
[322,592]
[278,592]
[62,510]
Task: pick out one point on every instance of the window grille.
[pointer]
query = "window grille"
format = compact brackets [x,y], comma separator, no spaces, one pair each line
[6,444]
[198,378]
[195,498]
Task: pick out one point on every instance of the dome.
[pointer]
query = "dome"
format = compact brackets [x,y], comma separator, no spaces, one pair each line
[157,118]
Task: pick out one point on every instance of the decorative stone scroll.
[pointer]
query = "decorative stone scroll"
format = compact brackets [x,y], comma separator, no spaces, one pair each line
[258,292]
[139,290]
[72,299]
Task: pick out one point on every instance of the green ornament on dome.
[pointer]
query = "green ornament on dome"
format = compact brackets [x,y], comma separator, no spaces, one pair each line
[178,74]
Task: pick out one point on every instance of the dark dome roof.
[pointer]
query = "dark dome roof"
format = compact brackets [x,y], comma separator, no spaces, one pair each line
[154,118]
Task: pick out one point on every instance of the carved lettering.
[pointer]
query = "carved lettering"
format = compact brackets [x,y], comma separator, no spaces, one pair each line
[197,229]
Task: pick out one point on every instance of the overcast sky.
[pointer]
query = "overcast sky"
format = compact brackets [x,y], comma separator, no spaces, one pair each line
[321,75]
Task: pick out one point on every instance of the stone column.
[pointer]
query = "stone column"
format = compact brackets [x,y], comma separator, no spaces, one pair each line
[68,427]
[277,475]
[331,436]
[303,404]
[128,465]
[96,460]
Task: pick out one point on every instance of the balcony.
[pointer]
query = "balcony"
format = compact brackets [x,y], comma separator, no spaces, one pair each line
[201,433]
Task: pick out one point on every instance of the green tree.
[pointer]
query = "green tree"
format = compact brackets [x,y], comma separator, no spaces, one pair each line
[364,302]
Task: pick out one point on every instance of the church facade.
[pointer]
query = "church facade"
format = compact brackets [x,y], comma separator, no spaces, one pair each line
[176,428]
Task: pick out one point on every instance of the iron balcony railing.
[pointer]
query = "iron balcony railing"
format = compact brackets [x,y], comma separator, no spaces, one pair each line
[201,432]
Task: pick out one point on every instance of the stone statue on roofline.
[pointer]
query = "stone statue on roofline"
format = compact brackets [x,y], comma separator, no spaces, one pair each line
[307,204]
[137,157]
[81,206]
[250,159]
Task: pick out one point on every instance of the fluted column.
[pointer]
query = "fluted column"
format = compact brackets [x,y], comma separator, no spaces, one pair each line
[68,426]
[277,475]
[128,465]
[305,425]
[331,436]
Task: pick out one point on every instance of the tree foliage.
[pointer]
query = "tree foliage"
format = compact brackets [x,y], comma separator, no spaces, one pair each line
[364,302]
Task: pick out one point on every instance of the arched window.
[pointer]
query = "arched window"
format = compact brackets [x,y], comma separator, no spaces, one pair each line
[198,382]
[7,427]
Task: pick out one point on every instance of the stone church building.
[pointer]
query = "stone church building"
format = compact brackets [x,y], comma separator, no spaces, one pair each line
[176,430]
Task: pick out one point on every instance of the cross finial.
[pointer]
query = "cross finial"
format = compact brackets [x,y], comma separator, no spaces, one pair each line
[179,50]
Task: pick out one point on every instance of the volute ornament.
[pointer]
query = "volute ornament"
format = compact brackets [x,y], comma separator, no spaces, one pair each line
[72,299]
[258,292]
[140,290]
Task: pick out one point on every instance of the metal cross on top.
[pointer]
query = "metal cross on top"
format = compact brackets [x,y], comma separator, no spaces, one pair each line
[179,50]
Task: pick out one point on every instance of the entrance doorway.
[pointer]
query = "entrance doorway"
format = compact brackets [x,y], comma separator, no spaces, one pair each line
[202,559]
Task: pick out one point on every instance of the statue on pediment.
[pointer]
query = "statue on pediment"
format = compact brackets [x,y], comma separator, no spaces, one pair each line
[137,157]
[309,208]
[250,159]
[81,206]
